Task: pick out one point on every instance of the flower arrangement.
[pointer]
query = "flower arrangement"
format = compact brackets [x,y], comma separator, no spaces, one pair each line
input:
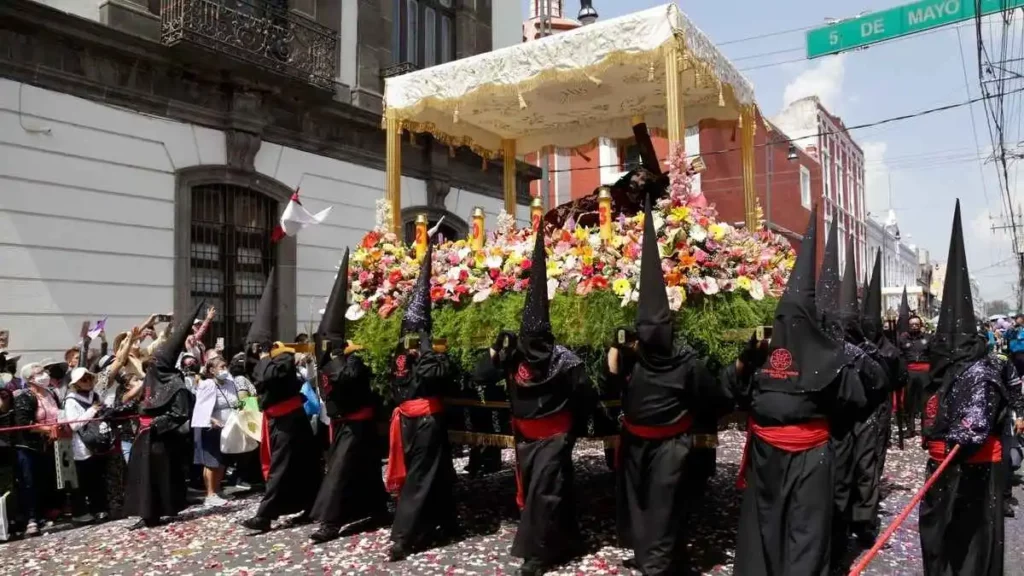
[701,256]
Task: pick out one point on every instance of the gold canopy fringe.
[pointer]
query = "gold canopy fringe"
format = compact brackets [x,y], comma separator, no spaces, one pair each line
[481,439]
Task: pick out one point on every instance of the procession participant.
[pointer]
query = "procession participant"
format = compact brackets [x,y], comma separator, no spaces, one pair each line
[863,504]
[961,515]
[866,526]
[915,347]
[420,469]
[663,383]
[787,467]
[544,378]
[288,453]
[353,488]
[160,452]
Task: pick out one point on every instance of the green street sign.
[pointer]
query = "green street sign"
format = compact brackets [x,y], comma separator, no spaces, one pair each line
[895,22]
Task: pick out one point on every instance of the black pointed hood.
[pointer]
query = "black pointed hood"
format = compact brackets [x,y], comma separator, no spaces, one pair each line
[956,341]
[873,303]
[163,378]
[803,358]
[331,332]
[903,320]
[417,319]
[261,331]
[849,307]
[827,289]
[536,340]
[653,315]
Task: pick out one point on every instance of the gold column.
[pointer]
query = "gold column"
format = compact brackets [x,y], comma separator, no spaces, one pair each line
[674,97]
[393,169]
[747,155]
[508,152]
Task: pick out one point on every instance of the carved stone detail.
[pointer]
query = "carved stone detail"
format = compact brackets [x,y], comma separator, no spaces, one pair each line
[437,192]
[242,148]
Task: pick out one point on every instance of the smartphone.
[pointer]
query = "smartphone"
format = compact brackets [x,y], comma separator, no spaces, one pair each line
[220,344]
[160,318]
[412,341]
[763,333]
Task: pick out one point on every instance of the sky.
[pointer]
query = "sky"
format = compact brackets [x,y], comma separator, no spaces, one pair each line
[916,167]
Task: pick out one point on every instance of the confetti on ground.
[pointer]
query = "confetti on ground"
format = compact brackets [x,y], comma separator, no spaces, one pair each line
[209,541]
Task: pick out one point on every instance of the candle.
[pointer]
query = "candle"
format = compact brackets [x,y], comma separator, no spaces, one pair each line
[536,213]
[604,212]
[477,233]
[421,235]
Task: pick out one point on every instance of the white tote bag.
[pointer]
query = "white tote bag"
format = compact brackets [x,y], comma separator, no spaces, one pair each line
[242,432]
[5,533]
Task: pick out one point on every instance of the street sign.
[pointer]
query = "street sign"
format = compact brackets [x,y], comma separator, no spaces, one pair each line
[895,22]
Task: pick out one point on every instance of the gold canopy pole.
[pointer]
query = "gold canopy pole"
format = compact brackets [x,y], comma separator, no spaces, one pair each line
[747,155]
[393,169]
[674,99]
[508,152]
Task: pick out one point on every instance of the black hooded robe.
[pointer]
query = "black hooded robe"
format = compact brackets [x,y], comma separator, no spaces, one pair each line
[654,475]
[295,471]
[156,485]
[547,532]
[426,500]
[915,350]
[961,516]
[353,488]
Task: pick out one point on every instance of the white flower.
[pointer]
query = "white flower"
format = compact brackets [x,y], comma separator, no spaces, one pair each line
[481,295]
[709,285]
[463,252]
[354,312]
[698,233]
[552,287]
[675,297]
[493,262]
[659,222]
[756,290]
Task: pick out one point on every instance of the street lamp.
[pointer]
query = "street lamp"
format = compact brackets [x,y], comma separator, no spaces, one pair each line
[587,13]
[769,149]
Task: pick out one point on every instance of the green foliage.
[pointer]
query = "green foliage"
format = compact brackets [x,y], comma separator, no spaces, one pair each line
[583,323]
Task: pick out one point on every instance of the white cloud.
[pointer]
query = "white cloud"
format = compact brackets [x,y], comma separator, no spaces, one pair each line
[824,80]
[876,174]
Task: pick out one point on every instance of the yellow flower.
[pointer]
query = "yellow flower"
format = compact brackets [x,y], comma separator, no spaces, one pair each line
[717,231]
[587,255]
[681,212]
[621,286]
[743,282]
[581,233]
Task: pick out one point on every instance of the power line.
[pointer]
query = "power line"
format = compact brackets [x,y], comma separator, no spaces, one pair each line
[970,111]
[766,35]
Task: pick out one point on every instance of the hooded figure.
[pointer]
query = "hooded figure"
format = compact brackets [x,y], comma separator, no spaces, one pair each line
[961,516]
[828,285]
[791,387]
[844,324]
[353,489]
[544,381]
[420,470]
[288,452]
[879,368]
[915,346]
[662,383]
[160,454]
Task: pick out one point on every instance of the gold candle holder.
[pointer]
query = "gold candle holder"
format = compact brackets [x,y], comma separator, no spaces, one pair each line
[536,213]
[476,238]
[604,212]
[421,235]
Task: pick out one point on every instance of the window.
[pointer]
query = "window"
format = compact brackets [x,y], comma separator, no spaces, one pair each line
[805,187]
[429,37]
[629,155]
[826,176]
[230,255]
[422,32]
[840,177]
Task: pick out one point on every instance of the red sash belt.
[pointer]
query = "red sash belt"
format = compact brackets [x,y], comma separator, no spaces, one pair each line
[538,429]
[394,478]
[362,415]
[144,423]
[918,366]
[792,438]
[653,432]
[275,411]
[991,451]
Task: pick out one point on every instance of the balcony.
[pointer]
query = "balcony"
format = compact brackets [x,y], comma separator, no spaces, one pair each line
[398,69]
[257,32]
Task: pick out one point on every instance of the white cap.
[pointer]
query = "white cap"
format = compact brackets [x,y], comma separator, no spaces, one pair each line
[79,373]
[29,369]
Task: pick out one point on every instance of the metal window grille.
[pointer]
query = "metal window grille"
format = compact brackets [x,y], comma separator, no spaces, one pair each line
[230,257]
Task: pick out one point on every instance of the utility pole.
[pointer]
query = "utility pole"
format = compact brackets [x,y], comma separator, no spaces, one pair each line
[545,152]
[1018,249]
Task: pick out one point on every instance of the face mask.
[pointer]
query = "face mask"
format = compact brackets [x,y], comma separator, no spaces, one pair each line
[43,380]
[304,372]
[223,375]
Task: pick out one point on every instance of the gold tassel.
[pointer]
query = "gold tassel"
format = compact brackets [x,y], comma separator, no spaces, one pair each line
[650,72]
[451,151]
[481,439]
[455,116]
[594,79]
[522,101]
[721,96]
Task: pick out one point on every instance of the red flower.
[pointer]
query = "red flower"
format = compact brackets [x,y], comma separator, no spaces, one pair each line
[588,270]
[370,240]
[599,282]
[494,272]
[436,293]
[526,264]
[461,289]
[395,276]
[500,283]
[599,266]
[463,275]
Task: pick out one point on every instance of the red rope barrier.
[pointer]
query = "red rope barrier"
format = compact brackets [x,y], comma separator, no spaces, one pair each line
[63,422]
[904,514]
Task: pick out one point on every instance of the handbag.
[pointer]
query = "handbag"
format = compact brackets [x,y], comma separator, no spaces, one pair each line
[242,432]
